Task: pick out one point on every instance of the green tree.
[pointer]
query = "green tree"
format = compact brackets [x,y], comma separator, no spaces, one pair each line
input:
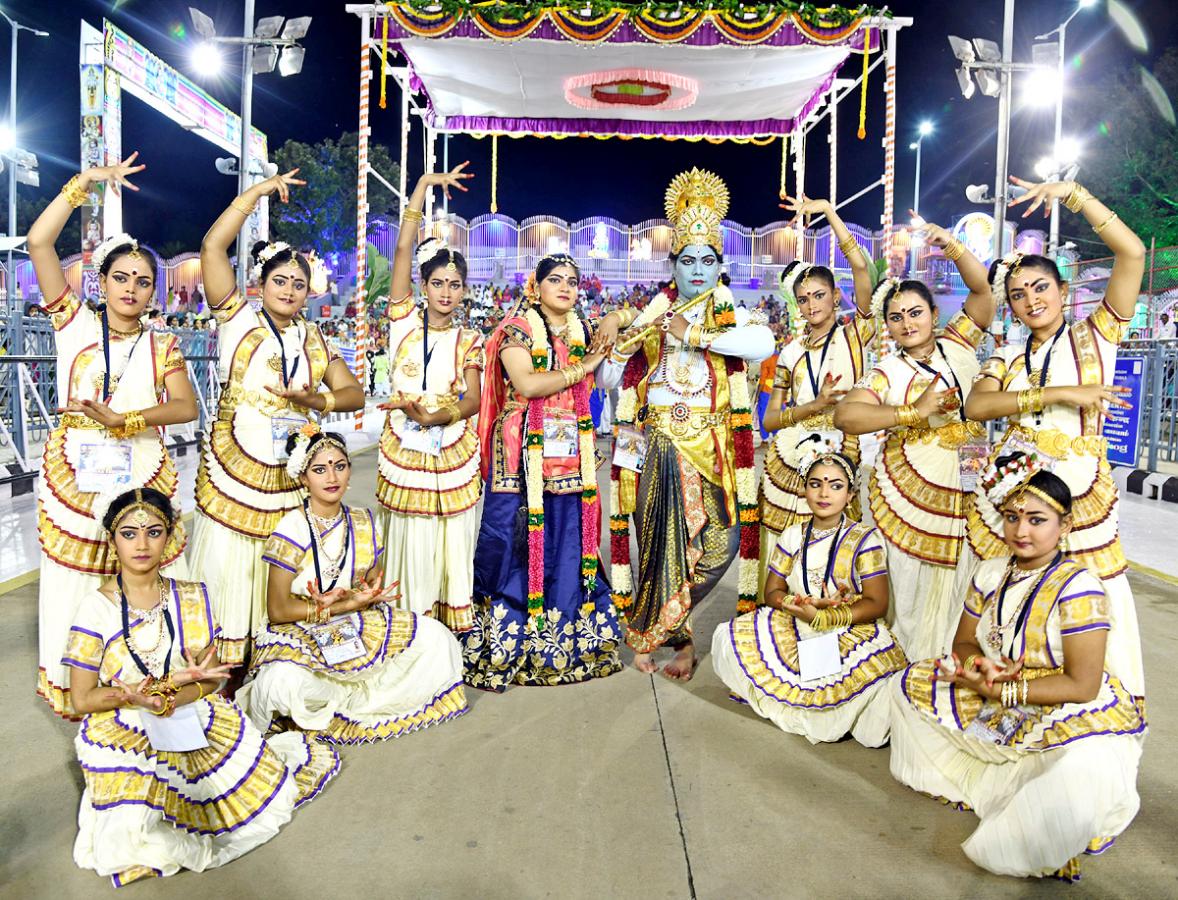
[322,214]
[1133,160]
[30,203]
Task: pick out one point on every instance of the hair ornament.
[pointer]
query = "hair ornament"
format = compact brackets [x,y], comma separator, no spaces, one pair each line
[266,254]
[431,247]
[300,455]
[1008,265]
[696,203]
[122,239]
[815,449]
[884,291]
[1003,483]
[138,512]
[318,282]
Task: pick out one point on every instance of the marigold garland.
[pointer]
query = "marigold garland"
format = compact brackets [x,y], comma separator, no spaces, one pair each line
[534,444]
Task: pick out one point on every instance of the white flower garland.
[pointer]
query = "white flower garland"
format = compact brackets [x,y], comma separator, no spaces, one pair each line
[102,251]
[264,256]
[1000,483]
[998,284]
[883,290]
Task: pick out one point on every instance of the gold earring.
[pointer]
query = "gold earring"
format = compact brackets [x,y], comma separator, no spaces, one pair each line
[1063,544]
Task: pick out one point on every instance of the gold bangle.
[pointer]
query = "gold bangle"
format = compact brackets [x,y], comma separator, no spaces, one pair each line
[821,620]
[1106,223]
[200,687]
[908,415]
[310,617]
[849,246]
[954,250]
[75,195]
[133,423]
[1030,400]
[1077,197]
[409,214]
[243,206]
[453,411]
[788,417]
[969,661]
[328,401]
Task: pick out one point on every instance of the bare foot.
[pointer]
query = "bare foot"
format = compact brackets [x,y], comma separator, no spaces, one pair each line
[644,663]
[682,667]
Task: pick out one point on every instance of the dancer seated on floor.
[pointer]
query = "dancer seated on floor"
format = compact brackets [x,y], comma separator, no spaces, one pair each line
[827,583]
[176,777]
[338,657]
[1023,723]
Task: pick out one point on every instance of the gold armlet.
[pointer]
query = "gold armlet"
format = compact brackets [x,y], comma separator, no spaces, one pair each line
[408,214]
[243,206]
[133,423]
[1078,196]
[75,195]
[1099,229]
[328,401]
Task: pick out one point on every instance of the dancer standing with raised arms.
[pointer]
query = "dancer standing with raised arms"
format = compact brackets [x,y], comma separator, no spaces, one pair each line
[1054,392]
[273,365]
[814,373]
[683,454]
[918,502]
[117,383]
[427,477]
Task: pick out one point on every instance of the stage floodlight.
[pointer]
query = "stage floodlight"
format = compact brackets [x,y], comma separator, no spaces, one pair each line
[269,27]
[296,29]
[202,24]
[962,49]
[988,51]
[265,58]
[989,82]
[291,62]
[206,59]
[965,82]
[978,193]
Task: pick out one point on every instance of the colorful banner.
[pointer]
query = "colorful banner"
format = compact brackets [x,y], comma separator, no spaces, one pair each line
[1122,428]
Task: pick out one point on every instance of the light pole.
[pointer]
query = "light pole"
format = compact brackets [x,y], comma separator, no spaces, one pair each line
[1061,30]
[263,35]
[924,130]
[17,28]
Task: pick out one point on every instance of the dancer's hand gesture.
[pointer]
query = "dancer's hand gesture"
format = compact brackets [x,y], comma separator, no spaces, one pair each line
[933,233]
[137,695]
[1040,194]
[828,396]
[802,205]
[933,401]
[447,180]
[202,668]
[280,184]
[116,176]
[97,411]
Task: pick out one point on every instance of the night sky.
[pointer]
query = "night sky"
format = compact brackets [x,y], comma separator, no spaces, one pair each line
[182,193]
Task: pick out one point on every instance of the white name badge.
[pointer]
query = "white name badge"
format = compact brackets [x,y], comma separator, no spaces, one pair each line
[180,732]
[1017,444]
[104,466]
[973,459]
[819,657]
[630,449]
[560,435]
[282,427]
[997,724]
[422,438]
[338,639]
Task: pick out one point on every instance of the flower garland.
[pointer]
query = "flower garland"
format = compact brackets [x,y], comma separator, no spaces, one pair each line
[741,420]
[998,483]
[1001,270]
[534,443]
[884,291]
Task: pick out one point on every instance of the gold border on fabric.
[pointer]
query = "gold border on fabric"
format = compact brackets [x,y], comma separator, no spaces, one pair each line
[217,503]
[430,500]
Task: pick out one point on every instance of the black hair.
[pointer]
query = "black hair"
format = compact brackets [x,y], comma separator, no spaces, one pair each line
[725,279]
[315,441]
[440,259]
[822,273]
[1048,482]
[548,264]
[1044,264]
[125,250]
[915,287]
[281,258]
[145,495]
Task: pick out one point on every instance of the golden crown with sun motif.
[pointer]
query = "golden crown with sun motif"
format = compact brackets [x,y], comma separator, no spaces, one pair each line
[696,203]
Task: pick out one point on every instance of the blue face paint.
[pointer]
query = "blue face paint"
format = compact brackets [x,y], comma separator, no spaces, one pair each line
[696,263]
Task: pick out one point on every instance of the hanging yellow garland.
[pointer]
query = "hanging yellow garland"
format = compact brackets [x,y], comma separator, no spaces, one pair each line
[784,165]
[384,59]
[863,90]
[494,173]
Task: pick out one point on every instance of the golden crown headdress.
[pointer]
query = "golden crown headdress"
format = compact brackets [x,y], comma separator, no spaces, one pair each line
[696,202]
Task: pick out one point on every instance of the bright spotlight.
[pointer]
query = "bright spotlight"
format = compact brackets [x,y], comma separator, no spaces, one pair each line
[1088,4]
[912,146]
[1044,167]
[206,59]
[926,128]
[1068,150]
[7,139]
[1041,87]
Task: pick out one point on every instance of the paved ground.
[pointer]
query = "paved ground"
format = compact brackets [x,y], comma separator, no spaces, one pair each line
[628,787]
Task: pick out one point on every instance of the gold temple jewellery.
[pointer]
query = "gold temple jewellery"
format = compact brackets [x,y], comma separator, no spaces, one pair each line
[243,206]
[133,423]
[75,195]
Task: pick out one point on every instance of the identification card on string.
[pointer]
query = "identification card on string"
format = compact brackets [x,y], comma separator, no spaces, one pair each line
[338,639]
[282,427]
[973,458]
[104,466]
[997,724]
[180,732]
[630,449]
[560,435]
[819,657]
[425,439]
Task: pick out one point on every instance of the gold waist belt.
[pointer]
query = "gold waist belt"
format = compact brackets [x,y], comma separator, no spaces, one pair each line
[263,401]
[429,401]
[77,420]
[1059,444]
[951,436]
[681,420]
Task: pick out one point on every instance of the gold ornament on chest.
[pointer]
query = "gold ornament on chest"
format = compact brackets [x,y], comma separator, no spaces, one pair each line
[275,363]
[411,368]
